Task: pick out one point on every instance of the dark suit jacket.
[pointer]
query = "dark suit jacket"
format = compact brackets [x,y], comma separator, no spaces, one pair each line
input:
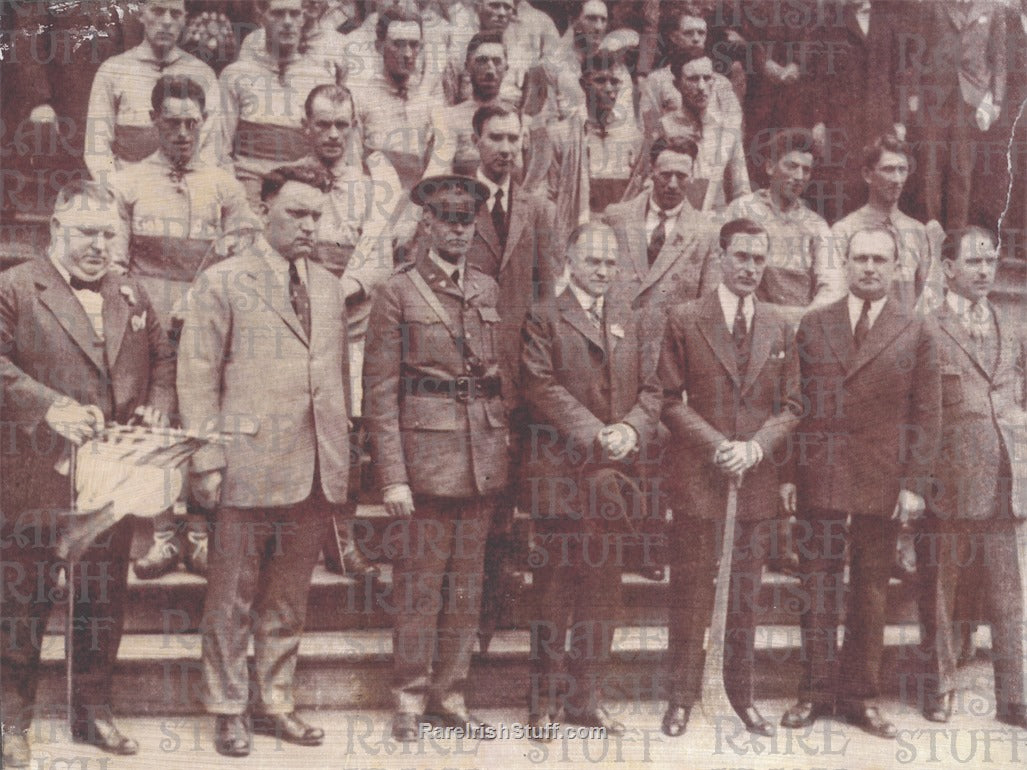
[526,272]
[437,445]
[687,266]
[871,418]
[698,358]
[972,474]
[48,349]
[577,380]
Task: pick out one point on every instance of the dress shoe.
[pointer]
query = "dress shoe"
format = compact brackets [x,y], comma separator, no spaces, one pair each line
[1014,714]
[161,558]
[355,565]
[232,735]
[196,554]
[675,720]
[596,717]
[342,556]
[104,735]
[801,715]
[938,708]
[16,749]
[404,727]
[438,716]
[754,722]
[869,720]
[289,728]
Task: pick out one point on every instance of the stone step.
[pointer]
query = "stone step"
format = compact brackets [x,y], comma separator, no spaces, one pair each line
[161,673]
[174,603]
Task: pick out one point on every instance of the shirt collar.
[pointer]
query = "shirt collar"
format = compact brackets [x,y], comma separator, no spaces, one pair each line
[448,267]
[961,306]
[145,52]
[856,308]
[158,158]
[585,299]
[63,271]
[653,208]
[280,264]
[492,189]
[729,305]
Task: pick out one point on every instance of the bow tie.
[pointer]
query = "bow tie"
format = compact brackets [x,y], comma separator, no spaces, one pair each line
[78,284]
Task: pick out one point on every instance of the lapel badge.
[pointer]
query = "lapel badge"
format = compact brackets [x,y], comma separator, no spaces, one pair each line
[139,322]
[128,293]
[617,331]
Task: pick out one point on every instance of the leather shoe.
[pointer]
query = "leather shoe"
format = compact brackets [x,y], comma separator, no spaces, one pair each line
[16,749]
[289,728]
[161,558]
[597,717]
[404,727]
[447,717]
[938,708]
[869,720]
[754,722]
[1014,714]
[196,555]
[803,714]
[105,736]
[232,735]
[675,720]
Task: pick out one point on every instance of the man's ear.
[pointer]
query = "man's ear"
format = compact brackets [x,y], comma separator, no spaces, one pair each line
[866,174]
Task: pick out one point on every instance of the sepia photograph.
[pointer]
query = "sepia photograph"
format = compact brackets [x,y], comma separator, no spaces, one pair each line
[507,384]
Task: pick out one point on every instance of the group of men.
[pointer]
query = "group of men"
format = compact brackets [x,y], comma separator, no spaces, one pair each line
[538,303]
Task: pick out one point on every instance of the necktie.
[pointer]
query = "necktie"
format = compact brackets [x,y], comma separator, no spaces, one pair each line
[979,319]
[595,315]
[659,237]
[299,298]
[499,218]
[78,284]
[455,275]
[740,335]
[862,325]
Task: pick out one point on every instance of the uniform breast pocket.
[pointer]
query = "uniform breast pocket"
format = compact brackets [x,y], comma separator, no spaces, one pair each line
[951,387]
[425,338]
[489,325]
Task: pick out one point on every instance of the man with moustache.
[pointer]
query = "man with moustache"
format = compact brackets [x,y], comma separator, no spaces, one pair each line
[730,375]
[176,213]
[438,425]
[975,529]
[80,346]
[589,380]
[119,124]
[863,452]
[264,348]
[265,94]
[353,243]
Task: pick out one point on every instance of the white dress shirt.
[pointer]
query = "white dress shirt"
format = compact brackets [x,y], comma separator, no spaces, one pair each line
[91,301]
[281,265]
[586,300]
[975,316]
[652,218]
[856,310]
[493,187]
[729,306]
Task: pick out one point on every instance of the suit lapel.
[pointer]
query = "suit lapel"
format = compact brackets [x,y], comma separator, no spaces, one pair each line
[714,330]
[838,332]
[763,337]
[953,327]
[487,231]
[677,240]
[517,220]
[55,293]
[115,317]
[572,312]
[276,296]
[885,329]
[638,244]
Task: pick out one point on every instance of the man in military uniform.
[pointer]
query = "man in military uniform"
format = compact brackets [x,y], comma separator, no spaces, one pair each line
[119,128]
[172,207]
[438,427]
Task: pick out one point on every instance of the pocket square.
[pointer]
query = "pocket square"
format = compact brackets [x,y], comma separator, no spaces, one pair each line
[617,331]
[139,322]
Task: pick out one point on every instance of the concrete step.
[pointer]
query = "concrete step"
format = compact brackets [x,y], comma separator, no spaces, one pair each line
[161,673]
